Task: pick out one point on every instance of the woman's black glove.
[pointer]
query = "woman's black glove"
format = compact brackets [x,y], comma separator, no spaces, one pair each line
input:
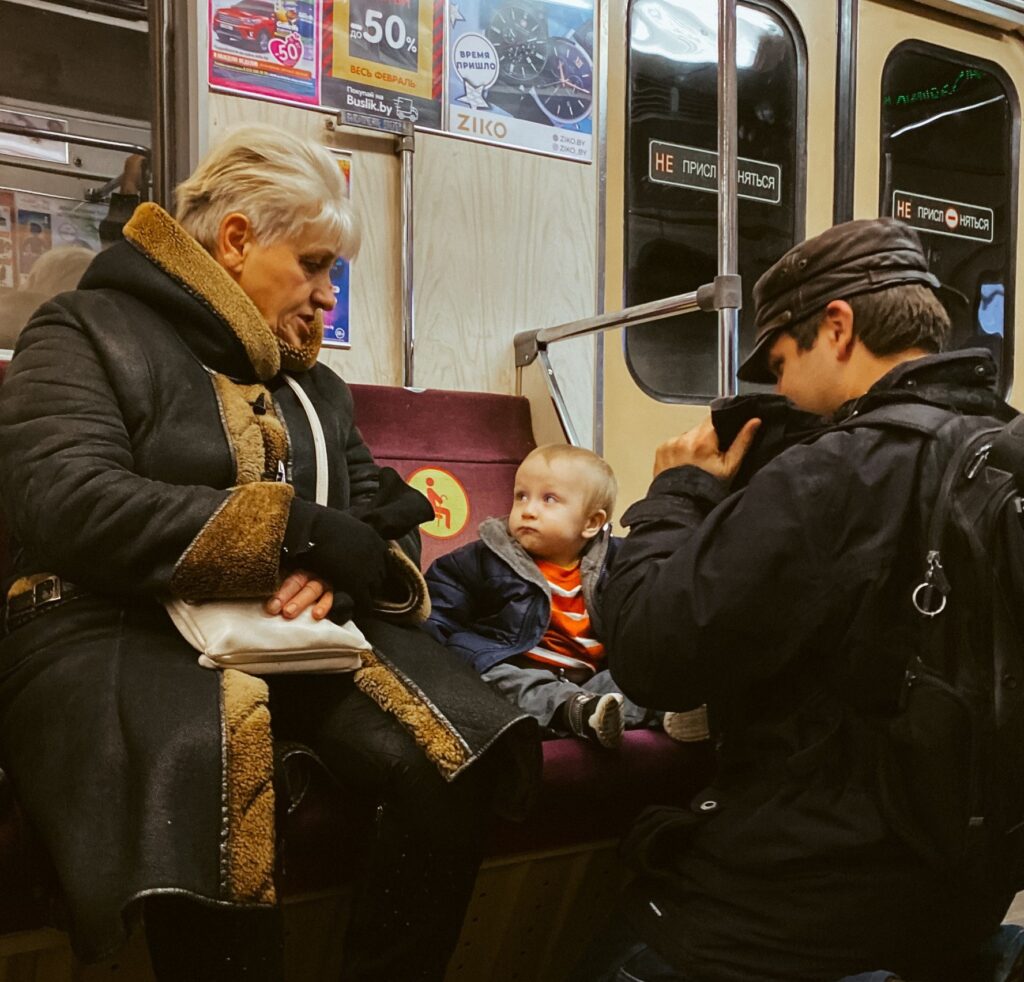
[335,545]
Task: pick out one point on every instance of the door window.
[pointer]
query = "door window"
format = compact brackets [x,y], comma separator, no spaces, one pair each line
[671,181]
[949,168]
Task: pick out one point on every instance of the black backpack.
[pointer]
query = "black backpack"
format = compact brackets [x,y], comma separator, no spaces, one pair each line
[950,752]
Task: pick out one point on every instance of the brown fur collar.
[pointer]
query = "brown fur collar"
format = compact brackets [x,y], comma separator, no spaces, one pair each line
[169,246]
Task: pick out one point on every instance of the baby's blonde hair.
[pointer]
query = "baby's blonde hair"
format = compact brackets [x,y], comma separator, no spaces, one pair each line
[289,187]
[600,478]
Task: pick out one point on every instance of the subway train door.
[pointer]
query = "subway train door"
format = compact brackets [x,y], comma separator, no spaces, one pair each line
[662,125]
[80,71]
[937,146]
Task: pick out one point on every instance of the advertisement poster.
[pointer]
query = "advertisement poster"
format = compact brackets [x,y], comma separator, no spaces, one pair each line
[33,224]
[7,271]
[31,146]
[383,61]
[521,74]
[265,48]
[336,322]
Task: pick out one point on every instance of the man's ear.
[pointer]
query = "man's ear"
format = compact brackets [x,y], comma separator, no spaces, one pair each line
[838,321]
[232,244]
[595,522]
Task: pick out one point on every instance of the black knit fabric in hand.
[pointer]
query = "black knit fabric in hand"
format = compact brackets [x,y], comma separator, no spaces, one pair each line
[345,551]
[396,509]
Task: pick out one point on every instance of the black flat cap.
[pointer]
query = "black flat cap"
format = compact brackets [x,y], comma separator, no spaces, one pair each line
[844,261]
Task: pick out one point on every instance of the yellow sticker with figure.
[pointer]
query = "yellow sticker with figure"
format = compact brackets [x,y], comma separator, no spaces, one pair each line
[448,498]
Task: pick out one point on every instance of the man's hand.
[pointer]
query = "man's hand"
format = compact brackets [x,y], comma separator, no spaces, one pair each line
[299,591]
[699,448]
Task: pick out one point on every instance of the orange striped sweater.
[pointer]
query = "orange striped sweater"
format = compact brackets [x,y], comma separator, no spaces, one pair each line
[569,632]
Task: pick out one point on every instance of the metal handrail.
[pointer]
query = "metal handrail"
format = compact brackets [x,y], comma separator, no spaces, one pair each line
[161,47]
[711,296]
[728,214]
[75,139]
[724,295]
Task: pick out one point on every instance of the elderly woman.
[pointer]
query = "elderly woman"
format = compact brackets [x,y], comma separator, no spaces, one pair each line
[150,448]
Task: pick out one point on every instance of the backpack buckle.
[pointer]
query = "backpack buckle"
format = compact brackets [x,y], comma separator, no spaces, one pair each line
[977,461]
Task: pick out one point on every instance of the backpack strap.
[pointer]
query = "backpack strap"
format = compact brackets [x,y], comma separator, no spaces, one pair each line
[918,417]
[1008,449]
[945,429]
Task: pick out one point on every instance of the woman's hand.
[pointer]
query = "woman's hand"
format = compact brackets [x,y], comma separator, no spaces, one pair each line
[299,591]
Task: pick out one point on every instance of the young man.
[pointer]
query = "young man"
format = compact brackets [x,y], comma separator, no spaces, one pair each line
[786,607]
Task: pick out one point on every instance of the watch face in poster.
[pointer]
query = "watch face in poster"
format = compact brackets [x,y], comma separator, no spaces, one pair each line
[521,74]
[265,48]
[383,61]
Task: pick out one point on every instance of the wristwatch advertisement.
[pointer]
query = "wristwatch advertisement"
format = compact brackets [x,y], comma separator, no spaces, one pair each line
[515,73]
[521,74]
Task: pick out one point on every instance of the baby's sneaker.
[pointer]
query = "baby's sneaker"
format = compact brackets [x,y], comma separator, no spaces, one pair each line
[688,727]
[597,718]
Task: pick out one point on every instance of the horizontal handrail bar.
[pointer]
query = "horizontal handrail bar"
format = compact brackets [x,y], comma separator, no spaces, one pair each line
[723,292]
[78,175]
[76,139]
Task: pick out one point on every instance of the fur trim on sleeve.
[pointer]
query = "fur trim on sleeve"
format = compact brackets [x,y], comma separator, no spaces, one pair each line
[238,552]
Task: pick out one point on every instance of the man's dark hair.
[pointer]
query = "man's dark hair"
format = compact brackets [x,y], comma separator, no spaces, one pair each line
[889,321]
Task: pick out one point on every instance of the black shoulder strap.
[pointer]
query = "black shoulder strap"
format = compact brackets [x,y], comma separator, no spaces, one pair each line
[1008,449]
[919,417]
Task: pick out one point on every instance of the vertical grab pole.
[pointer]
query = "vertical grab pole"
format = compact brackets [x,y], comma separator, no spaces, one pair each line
[405,149]
[728,229]
[161,47]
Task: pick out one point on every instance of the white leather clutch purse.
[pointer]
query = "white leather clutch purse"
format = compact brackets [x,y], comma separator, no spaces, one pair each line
[240,634]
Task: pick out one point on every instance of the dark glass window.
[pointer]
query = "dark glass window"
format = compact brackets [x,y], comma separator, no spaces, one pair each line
[949,168]
[671,179]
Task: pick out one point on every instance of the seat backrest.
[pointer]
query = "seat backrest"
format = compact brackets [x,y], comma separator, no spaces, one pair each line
[461,449]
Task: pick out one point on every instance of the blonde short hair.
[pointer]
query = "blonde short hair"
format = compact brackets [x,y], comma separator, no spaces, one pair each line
[594,470]
[289,187]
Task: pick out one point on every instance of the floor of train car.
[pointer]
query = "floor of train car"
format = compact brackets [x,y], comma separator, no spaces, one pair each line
[529,918]
[520,928]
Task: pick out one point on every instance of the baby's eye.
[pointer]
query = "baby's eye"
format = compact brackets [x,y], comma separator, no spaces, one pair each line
[520,495]
[550,498]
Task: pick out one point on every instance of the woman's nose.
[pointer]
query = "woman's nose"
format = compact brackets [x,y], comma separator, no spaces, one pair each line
[324,296]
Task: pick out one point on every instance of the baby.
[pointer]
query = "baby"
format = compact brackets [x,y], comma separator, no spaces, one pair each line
[520,604]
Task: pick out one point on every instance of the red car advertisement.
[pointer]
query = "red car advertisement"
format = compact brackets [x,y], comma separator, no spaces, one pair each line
[265,48]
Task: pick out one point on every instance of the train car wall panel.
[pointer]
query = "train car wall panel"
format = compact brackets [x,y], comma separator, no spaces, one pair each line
[503,242]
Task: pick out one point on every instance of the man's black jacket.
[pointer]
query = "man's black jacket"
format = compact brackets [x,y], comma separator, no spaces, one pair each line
[784,607]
